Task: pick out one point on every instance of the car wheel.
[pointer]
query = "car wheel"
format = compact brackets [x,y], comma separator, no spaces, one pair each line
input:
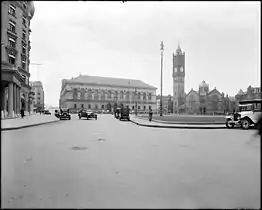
[245,124]
[228,124]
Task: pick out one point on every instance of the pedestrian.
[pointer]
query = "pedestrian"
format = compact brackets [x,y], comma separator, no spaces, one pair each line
[150,114]
[22,113]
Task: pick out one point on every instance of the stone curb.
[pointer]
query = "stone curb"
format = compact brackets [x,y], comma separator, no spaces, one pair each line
[186,123]
[178,127]
[26,126]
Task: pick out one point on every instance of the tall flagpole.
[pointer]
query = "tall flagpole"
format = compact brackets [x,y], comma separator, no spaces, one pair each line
[161,98]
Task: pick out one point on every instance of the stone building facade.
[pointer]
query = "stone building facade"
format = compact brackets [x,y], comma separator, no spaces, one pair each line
[167,104]
[250,94]
[205,101]
[202,101]
[39,99]
[104,93]
[15,44]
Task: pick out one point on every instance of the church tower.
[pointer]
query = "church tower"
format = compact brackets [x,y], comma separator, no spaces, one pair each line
[178,80]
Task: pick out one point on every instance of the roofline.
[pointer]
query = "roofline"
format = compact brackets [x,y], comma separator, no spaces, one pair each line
[95,84]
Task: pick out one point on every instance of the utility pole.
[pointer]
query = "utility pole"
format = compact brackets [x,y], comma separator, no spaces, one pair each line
[161,97]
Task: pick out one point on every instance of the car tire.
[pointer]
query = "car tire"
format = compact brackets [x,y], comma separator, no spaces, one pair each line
[245,124]
[228,124]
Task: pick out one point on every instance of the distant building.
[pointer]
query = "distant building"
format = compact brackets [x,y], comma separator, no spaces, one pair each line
[206,101]
[250,94]
[39,99]
[195,102]
[105,93]
[15,51]
[167,104]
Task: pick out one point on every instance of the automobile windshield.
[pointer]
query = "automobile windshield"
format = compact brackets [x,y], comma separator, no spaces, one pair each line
[247,107]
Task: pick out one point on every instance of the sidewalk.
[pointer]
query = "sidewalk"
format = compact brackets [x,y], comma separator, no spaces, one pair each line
[27,121]
[144,122]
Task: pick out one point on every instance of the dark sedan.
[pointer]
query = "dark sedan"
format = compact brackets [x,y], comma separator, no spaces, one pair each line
[87,114]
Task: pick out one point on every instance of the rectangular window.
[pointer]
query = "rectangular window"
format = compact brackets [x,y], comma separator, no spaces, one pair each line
[75,106]
[11,59]
[11,42]
[85,95]
[12,10]
[23,50]
[24,34]
[133,107]
[138,107]
[12,26]
[78,95]
[38,93]
[149,107]
[24,20]
[149,96]
[38,98]
[144,107]
[82,106]
[24,5]
[103,106]
[23,65]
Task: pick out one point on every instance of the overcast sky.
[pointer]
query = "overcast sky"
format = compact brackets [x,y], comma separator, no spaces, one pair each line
[115,39]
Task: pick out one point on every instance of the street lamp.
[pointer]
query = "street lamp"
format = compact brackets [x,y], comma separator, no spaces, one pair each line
[161,100]
[136,100]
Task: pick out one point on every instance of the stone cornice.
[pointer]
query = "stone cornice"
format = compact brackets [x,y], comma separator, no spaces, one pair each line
[113,86]
[20,5]
[24,71]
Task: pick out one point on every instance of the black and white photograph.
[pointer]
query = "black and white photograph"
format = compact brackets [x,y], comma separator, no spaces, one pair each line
[131,104]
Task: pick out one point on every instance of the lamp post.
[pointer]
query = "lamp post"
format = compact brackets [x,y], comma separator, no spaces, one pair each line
[161,99]
[136,100]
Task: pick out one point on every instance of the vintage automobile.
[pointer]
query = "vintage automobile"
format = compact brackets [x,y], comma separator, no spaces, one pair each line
[88,114]
[57,114]
[64,114]
[47,112]
[117,113]
[124,114]
[248,115]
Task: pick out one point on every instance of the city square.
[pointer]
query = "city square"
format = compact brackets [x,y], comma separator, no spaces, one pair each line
[88,164]
[130,105]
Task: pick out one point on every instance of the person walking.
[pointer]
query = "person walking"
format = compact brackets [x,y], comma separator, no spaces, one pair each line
[150,114]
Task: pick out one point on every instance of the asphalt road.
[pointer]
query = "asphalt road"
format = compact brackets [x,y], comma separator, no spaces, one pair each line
[112,164]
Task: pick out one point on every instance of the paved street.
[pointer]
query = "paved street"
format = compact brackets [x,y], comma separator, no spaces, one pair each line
[112,164]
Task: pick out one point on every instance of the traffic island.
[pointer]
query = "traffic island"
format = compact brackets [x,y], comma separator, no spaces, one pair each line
[179,125]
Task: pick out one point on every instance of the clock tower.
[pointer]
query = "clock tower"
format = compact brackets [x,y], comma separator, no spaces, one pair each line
[178,80]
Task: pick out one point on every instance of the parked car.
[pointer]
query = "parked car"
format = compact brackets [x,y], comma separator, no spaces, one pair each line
[47,112]
[248,115]
[124,114]
[64,114]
